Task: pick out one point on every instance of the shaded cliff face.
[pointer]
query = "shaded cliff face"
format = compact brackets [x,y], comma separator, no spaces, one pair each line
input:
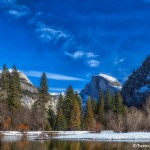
[103,82]
[137,88]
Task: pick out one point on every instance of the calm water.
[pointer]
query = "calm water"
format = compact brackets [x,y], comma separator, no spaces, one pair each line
[19,143]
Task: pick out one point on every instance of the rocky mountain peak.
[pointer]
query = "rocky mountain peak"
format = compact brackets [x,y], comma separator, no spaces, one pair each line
[101,82]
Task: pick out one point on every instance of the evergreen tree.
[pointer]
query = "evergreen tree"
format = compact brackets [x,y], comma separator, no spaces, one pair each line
[108,100]
[89,116]
[75,121]
[68,105]
[3,103]
[43,91]
[60,102]
[60,121]
[52,118]
[79,103]
[101,107]
[5,77]
[14,94]
[118,103]
[93,103]
[112,103]
[40,104]
[16,79]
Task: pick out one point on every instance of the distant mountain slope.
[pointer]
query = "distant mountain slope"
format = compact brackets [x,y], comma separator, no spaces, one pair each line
[103,82]
[137,88]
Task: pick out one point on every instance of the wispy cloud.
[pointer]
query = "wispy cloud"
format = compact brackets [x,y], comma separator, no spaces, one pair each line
[52,76]
[57,89]
[93,63]
[18,11]
[118,61]
[80,54]
[47,33]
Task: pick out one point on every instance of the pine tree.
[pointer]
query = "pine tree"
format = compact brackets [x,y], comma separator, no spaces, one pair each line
[108,100]
[89,116]
[14,94]
[5,78]
[16,79]
[43,91]
[93,103]
[68,105]
[40,104]
[80,104]
[101,107]
[3,102]
[52,118]
[60,102]
[75,121]
[60,121]
[118,103]
[112,103]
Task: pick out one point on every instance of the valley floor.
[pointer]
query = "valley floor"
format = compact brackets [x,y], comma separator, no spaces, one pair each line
[86,135]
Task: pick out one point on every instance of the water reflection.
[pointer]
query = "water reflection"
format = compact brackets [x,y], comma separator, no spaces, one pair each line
[23,143]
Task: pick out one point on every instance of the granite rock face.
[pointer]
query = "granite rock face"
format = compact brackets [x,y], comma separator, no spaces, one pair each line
[101,82]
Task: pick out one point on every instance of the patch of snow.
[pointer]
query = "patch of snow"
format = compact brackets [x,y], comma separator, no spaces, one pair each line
[18,133]
[109,78]
[107,135]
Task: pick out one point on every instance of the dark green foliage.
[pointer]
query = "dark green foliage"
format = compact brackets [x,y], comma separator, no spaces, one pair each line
[60,121]
[89,116]
[112,104]
[108,100]
[68,105]
[93,103]
[101,107]
[14,95]
[5,77]
[118,103]
[80,104]
[75,120]
[52,118]
[43,91]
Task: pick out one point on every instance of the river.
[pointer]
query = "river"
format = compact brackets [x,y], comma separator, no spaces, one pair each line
[23,143]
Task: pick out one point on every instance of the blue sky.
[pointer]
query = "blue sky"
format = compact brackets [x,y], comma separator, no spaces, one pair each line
[71,40]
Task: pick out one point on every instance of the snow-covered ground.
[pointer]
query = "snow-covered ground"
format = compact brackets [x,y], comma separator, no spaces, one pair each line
[18,133]
[86,135]
[107,135]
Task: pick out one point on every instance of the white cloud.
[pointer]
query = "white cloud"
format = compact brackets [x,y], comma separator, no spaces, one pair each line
[52,76]
[47,33]
[75,55]
[80,54]
[18,11]
[57,89]
[118,61]
[93,63]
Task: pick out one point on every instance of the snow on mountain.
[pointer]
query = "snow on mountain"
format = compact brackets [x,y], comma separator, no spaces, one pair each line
[100,82]
[109,78]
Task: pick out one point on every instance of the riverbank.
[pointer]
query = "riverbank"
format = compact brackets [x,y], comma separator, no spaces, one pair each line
[83,135]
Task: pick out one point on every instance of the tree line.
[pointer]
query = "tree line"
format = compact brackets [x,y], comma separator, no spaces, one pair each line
[106,113]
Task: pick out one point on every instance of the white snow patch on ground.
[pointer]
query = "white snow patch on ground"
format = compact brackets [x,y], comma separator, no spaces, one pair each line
[18,133]
[107,135]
